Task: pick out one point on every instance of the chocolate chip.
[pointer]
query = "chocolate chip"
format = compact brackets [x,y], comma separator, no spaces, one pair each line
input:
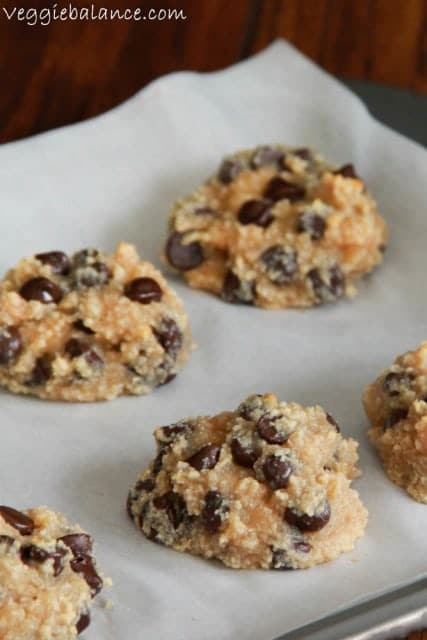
[76,348]
[6,540]
[205,458]
[18,520]
[214,511]
[173,431]
[394,417]
[269,432]
[302,546]
[256,212]
[10,344]
[174,505]
[83,565]
[129,502]
[347,171]
[31,554]
[89,270]
[143,290]
[280,264]
[242,454]
[304,154]
[229,170]
[236,291]
[169,378]
[41,372]
[83,622]
[396,382]
[41,289]
[169,336]
[266,155]
[327,287]
[158,460]
[305,522]
[382,248]
[333,422]
[204,211]
[311,223]
[57,260]
[183,256]
[280,560]
[277,471]
[80,326]
[145,485]
[79,543]
[281,189]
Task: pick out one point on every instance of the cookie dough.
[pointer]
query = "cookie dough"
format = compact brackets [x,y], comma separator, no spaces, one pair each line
[48,576]
[277,227]
[90,326]
[266,486]
[396,405]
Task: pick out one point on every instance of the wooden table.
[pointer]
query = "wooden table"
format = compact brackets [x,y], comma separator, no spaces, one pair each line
[70,70]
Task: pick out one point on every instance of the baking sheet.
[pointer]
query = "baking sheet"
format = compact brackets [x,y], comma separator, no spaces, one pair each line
[114,178]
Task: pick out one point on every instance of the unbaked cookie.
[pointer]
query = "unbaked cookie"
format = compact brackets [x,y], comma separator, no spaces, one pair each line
[277,227]
[266,486]
[89,327]
[396,405]
[48,576]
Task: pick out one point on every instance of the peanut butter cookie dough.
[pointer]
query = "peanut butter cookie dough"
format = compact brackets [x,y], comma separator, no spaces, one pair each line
[396,405]
[89,327]
[277,227]
[266,486]
[48,576]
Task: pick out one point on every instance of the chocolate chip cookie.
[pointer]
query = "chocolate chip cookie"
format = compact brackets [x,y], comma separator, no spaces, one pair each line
[48,576]
[277,227]
[396,405]
[90,326]
[266,486]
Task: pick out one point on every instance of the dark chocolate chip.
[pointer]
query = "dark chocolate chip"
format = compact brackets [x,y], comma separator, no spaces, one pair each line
[214,511]
[6,540]
[327,288]
[173,431]
[31,554]
[42,371]
[269,432]
[229,170]
[277,471]
[347,171]
[204,211]
[183,256]
[76,348]
[143,290]
[205,458]
[169,378]
[158,460]
[304,154]
[83,622]
[333,422]
[280,560]
[266,155]
[256,212]
[84,565]
[145,485]
[382,248]
[311,223]
[305,522]
[41,289]
[397,381]
[302,546]
[236,291]
[10,345]
[243,455]
[394,417]
[280,264]
[281,189]
[174,505]
[89,270]
[80,326]
[57,260]
[79,543]
[18,520]
[169,336]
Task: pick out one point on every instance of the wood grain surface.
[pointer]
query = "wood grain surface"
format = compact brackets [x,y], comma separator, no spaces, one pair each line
[70,70]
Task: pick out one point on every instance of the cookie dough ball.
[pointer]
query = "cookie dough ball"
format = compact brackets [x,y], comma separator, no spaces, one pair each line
[396,405]
[48,576]
[90,326]
[266,486]
[277,227]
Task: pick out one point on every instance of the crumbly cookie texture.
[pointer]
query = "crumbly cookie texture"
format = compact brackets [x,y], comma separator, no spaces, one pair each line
[266,486]
[396,405]
[90,326]
[277,227]
[48,576]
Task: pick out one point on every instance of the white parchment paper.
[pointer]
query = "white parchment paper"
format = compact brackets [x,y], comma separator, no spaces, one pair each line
[114,178]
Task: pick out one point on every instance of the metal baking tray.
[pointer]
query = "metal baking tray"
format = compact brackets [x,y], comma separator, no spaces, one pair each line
[387,617]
